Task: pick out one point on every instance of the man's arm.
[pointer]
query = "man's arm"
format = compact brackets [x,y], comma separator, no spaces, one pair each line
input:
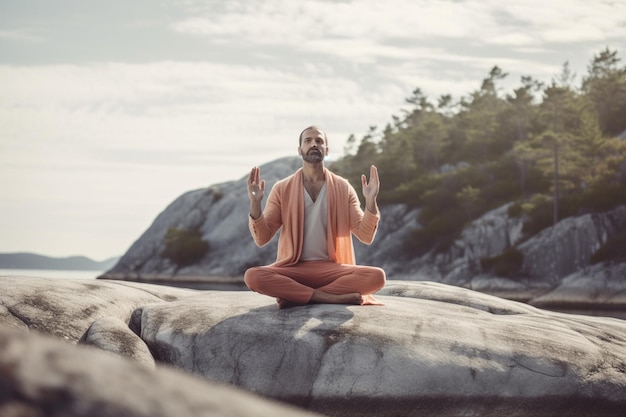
[262,224]
[365,224]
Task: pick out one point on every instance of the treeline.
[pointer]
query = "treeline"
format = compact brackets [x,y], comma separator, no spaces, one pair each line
[555,149]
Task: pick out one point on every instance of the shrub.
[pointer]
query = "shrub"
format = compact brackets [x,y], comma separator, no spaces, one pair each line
[516,209]
[184,247]
[507,264]
[613,250]
[539,214]
[217,193]
[437,234]
[603,197]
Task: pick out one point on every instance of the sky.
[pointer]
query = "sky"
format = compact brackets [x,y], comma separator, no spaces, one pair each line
[110,110]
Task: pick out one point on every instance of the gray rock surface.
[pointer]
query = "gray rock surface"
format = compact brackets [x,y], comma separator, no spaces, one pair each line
[66,308]
[46,377]
[432,350]
[567,247]
[602,285]
[113,335]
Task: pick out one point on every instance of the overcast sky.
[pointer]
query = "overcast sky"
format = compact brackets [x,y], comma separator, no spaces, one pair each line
[109,110]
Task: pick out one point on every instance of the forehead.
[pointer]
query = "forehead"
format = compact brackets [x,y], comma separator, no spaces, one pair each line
[313,133]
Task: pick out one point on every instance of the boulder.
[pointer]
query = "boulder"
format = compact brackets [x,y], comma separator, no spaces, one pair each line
[113,335]
[567,247]
[600,287]
[66,308]
[46,377]
[431,350]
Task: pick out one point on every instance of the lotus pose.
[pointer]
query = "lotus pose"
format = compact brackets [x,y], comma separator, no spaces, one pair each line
[318,212]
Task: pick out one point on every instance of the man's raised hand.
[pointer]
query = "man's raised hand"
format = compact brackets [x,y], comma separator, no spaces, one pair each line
[256,186]
[370,189]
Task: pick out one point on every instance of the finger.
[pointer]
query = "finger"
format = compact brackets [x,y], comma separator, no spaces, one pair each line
[363,180]
[373,173]
[251,176]
[262,185]
[257,175]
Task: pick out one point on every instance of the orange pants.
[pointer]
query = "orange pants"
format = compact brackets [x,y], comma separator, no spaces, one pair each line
[296,283]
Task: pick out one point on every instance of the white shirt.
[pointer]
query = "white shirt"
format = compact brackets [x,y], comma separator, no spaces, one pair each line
[314,246]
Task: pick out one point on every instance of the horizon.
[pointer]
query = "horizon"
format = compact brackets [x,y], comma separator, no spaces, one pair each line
[110,111]
[77,255]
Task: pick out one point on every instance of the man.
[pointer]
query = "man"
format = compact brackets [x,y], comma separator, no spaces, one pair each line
[318,211]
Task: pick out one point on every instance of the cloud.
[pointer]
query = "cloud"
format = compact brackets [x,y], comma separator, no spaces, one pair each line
[114,105]
[368,31]
[20,35]
[283,21]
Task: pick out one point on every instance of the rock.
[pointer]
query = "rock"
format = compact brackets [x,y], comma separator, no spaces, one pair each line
[46,377]
[113,335]
[454,295]
[67,308]
[432,350]
[397,223]
[598,287]
[566,248]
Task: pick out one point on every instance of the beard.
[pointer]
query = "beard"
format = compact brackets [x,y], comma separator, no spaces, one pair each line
[313,155]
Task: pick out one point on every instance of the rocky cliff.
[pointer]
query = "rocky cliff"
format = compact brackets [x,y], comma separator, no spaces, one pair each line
[431,350]
[220,214]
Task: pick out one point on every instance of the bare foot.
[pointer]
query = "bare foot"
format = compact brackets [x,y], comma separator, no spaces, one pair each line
[321,297]
[282,303]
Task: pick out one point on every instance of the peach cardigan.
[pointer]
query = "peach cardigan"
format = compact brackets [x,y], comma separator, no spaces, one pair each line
[285,208]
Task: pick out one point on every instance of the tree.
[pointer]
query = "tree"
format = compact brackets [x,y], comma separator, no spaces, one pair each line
[519,117]
[479,121]
[590,148]
[350,146]
[559,119]
[397,157]
[468,199]
[605,87]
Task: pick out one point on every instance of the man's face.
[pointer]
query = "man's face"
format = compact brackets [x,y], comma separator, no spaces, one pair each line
[313,147]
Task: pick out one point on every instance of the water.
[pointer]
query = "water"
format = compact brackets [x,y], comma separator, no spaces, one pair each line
[51,273]
[218,285]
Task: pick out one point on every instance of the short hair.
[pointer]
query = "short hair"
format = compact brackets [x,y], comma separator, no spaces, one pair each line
[312,127]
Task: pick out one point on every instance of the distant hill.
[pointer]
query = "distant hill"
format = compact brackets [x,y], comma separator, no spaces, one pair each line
[34,261]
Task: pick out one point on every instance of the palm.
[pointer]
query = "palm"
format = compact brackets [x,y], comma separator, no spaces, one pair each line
[256,186]
[371,187]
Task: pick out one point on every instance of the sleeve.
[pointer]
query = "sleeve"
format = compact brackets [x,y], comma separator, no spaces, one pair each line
[265,227]
[363,224]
